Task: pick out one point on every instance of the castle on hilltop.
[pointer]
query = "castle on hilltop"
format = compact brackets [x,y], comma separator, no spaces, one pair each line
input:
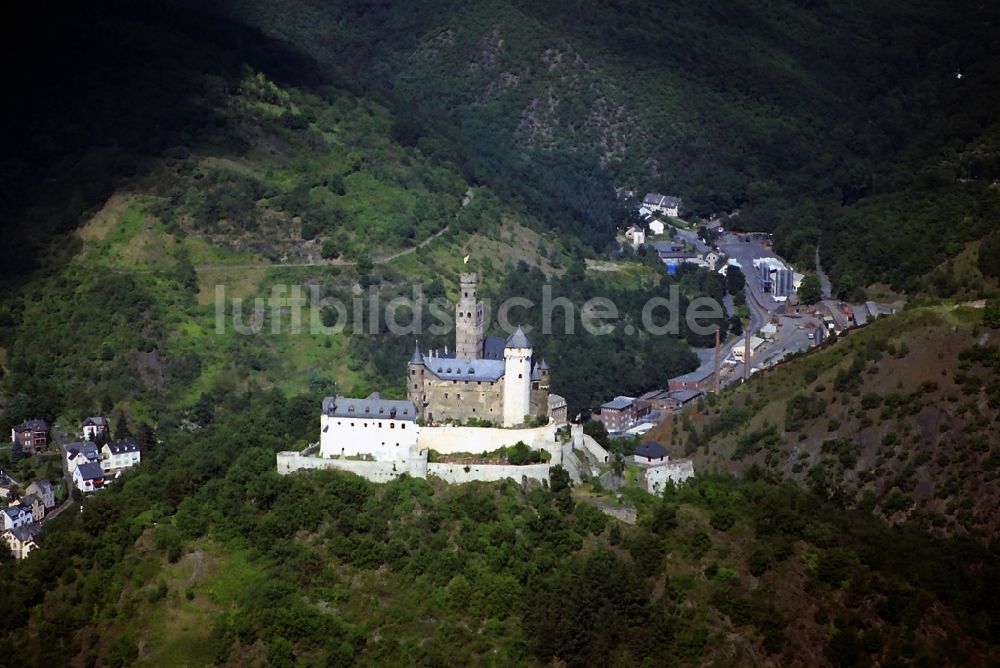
[484,377]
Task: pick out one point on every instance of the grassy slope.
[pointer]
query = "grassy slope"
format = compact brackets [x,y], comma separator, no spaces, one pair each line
[908,440]
[232,201]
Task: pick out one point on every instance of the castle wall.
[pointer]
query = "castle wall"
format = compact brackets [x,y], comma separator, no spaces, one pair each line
[289,462]
[457,473]
[449,440]
[678,471]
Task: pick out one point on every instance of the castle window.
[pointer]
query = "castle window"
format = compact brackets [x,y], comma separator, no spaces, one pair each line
[520,375]
[392,425]
[445,395]
[402,426]
[458,396]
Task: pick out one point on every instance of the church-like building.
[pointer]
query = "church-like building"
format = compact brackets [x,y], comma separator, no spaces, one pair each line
[484,377]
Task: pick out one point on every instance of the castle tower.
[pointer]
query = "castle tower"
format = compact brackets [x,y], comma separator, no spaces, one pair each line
[415,380]
[469,324]
[517,378]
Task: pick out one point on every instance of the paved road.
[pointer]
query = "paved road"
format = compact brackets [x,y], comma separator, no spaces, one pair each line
[61,439]
[824,280]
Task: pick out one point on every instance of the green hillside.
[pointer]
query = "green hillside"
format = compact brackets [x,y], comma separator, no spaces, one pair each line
[899,419]
[843,124]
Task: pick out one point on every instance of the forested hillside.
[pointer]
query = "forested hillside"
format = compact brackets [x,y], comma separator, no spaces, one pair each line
[866,127]
[898,419]
[208,557]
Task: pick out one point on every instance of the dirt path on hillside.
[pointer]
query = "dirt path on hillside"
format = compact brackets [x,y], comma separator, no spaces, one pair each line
[385,259]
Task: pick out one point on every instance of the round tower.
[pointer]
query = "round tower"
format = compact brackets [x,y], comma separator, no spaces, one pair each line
[517,378]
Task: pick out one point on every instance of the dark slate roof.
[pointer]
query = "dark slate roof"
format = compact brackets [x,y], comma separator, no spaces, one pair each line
[618,403]
[29,500]
[97,421]
[88,448]
[519,339]
[652,198]
[451,368]
[543,365]
[416,357]
[25,532]
[493,347]
[43,486]
[90,471]
[670,201]
[33,425]
[12,511]
[121,447]
[651,450]
[373,406]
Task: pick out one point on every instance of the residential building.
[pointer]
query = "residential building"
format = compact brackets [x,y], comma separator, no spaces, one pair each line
[81,452]
[702,379]
[44,490]
[558,409]
[384,429]
[37,506]
[119,455]
[88,476]
[33,435]
[22,540]
[96,427]
[15,515]
[665,204]
[621,413]
[657,227]
[650,453]
[636,236]
[711,258]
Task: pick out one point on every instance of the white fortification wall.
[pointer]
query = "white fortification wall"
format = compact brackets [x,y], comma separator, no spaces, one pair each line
[678,471]
[457,473]
[289,462]
[449,440]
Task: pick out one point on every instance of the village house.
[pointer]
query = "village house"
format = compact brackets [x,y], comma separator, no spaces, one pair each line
[119,455]
[621,413]
[636,236]
[15,515]
[37,506]
[95,427]
[22,540]
[664,204]
[88,477]
[656,227]
[33,436]
[650,453]
[81,452]
[44,490]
